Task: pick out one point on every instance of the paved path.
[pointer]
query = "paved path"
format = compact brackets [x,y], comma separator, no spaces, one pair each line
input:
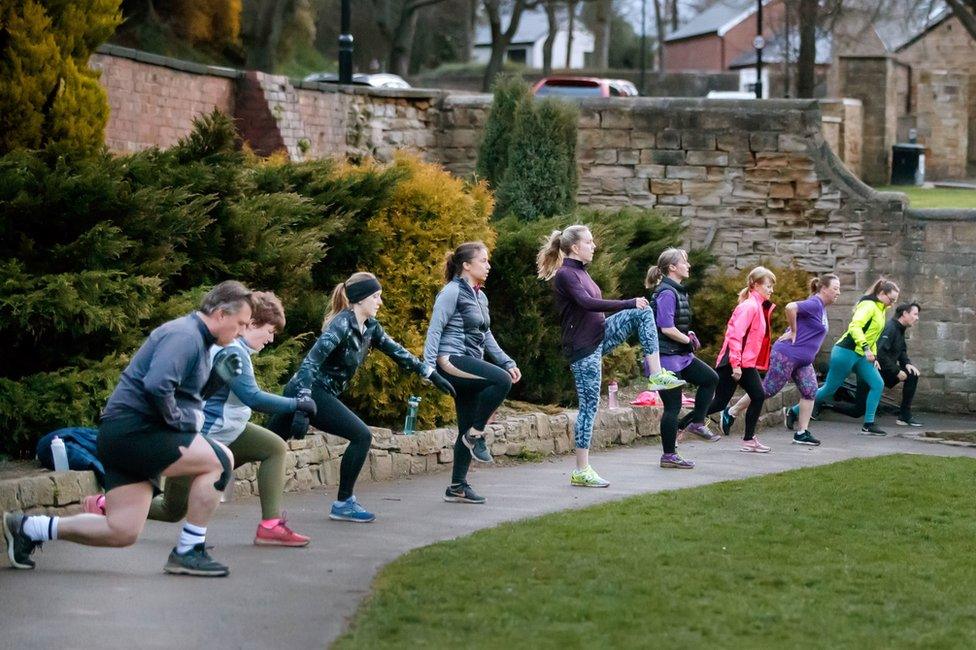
[302,598]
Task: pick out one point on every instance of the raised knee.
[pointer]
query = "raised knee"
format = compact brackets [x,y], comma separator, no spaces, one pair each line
[123,538]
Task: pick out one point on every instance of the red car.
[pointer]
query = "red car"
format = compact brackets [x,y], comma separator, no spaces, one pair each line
[584,87]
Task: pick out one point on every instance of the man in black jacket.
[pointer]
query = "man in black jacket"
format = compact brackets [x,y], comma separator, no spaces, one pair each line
[894,365]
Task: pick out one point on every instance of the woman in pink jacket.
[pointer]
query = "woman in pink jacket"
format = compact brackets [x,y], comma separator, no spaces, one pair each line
[744,353]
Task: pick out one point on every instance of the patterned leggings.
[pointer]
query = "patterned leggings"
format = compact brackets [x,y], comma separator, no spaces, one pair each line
[588,371]
[782,369]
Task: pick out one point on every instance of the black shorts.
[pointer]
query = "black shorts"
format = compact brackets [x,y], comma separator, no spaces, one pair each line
[134,450]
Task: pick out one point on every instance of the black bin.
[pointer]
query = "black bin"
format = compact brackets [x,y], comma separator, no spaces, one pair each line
[907,164]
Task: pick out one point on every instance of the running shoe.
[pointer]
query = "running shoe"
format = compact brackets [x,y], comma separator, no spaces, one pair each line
[478,448]
[587,478]
[805,438]
[664,380]
[908,421]
[280,535]
[754,446]
[872,429]
[350,510]
[676,462]
[195,562]
[702,431]
[20,547]
[94,504]
[789,418]
[462,493]
[727,421]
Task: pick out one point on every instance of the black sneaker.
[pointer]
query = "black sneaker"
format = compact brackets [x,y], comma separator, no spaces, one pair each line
[478,448]
[195,562]
[462,493]
[805,438]
[872,429]
[20,547]
[789,418]
[908,421]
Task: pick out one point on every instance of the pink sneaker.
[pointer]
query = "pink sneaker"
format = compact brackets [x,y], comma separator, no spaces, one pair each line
[94,504]
[280,535]
[754,446]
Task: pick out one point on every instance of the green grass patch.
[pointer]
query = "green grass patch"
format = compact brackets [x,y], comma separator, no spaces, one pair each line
[934,197]
[867,553]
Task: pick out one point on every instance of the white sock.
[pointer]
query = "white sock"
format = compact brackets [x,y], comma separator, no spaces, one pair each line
[190,536]
[41,528]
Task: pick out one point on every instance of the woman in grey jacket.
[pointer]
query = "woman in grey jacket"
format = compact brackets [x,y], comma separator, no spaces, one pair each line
[458,337]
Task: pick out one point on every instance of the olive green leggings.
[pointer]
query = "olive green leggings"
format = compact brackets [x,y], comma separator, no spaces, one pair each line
[255,444]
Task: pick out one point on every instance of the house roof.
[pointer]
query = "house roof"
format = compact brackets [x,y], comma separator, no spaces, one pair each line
[936,20]
[717,19]
[533,25]
[775,51]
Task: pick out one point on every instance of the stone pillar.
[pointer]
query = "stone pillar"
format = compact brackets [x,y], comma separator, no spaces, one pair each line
[872,80]
[943,124]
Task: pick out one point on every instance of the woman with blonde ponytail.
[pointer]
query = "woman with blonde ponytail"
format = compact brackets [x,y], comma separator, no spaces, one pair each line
[350,330]
[744,353]
[588,335]
[793,354]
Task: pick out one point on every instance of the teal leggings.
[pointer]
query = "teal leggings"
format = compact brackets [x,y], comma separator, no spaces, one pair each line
[842,362]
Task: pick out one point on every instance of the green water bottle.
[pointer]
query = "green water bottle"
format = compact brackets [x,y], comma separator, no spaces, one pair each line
[412,404]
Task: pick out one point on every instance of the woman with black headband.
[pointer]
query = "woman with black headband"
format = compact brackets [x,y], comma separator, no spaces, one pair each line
[349,331]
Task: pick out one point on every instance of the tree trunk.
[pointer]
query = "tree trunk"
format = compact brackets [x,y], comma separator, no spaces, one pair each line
[571,30]
[471,28]
[965,11]
[788,50]
[263,47]
[674,15]
[402,43]
[552,18]
[499,39]
[661,29]
[806,62]
[601,38]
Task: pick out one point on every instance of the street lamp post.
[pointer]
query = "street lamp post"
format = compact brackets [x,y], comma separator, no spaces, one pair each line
[759,43]
[643,47]
[345,44]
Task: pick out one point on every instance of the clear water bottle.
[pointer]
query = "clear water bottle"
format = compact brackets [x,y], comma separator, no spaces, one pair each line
[299,423]
[412,405]
[612,395]
[60,455]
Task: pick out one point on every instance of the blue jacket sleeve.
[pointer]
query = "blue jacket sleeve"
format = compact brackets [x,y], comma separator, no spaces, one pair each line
[246,388]
[444,307]
[174,359]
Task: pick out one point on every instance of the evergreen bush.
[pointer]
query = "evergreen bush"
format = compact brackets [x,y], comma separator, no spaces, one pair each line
[511,92]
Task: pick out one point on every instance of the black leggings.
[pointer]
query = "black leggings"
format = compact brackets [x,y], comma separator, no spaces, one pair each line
[335,417]
[477,398]
[752,383]
[700,374]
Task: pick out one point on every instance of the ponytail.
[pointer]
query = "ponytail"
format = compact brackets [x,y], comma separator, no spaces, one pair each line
[454,260]
[882,285]
[755,276]
[340,300]
[557,245]
[816,284]
[668,258]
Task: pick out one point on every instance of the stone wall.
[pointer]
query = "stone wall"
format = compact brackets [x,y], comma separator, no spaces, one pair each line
[941,120]
[842,128]
[872,81]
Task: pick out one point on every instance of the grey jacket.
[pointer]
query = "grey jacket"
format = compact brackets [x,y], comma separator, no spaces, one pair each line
[164,380]
[460,324]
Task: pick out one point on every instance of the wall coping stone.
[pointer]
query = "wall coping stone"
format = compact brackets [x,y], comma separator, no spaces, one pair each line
[168,62]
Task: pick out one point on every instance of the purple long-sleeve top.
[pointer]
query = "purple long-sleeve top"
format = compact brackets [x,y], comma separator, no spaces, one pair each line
[581,309]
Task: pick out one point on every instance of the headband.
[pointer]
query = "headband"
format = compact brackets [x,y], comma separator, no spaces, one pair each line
[361,289]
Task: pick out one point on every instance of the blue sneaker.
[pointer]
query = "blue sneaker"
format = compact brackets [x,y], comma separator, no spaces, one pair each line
[727,421]
[350,510]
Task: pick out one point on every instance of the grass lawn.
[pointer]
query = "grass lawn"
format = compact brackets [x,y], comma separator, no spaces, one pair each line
[936,197]
[867,553]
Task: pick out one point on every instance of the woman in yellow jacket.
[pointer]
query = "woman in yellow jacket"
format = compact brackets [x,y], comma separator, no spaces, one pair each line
[856,350]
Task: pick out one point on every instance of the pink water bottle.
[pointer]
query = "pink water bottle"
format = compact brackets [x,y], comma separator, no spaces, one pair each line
[612,395]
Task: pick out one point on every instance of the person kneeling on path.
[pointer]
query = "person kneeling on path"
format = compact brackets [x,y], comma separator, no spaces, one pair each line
[793,354]
[458,338]
[588,335]
[226,420]
[349,332]
[894,365]
[149,428]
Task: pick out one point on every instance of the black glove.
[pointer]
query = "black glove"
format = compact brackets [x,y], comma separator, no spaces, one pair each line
[226,365]
[306,404]
[442,384]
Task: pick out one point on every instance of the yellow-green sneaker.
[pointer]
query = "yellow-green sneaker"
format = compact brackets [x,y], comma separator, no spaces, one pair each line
[587,478]
[664,380]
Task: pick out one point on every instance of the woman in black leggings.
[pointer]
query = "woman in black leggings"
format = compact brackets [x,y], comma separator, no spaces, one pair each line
[458,337]
[349,332]
[672,313]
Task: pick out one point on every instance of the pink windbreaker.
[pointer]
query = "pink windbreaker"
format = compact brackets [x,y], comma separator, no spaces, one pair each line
[747,335]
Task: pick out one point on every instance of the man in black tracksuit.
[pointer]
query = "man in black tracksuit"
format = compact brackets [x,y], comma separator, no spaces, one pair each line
[894,365]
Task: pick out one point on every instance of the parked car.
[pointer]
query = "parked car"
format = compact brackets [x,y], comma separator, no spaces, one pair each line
[379,80]
[584,87]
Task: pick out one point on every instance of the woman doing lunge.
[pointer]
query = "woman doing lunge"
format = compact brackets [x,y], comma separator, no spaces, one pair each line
[349,332]
[744,353]
[856,350]
[458,338]
[793,354]
[588,335]
[678,343]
